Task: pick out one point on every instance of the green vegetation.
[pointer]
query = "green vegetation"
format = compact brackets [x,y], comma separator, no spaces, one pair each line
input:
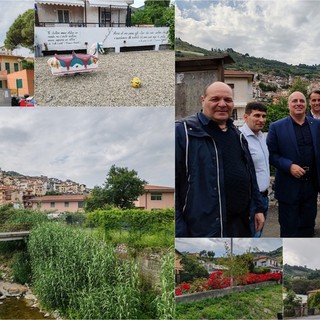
[165,301]
[192,269]
[134,227]
[21,269]
[158,13]
[262,303]
[21,32]
[154,12]
[301,279]
[78,271]
[314,301]
[275,112]
[121,189]
[81,276]
[289,303]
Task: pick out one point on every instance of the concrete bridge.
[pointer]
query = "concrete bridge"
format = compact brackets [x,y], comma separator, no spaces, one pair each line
[14,232]
[15,235]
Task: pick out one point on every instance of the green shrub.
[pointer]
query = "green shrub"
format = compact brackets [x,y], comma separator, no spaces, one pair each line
[261,270]
[21,269]
[137,228]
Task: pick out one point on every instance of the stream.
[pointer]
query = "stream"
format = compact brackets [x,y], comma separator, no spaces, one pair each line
[13,308]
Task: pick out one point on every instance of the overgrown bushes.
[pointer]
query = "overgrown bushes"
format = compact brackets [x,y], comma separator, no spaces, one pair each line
[81,276]
[133,219]
[137,228]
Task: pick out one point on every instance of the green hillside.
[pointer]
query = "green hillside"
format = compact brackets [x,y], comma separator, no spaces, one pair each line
[245,62]
[297,271]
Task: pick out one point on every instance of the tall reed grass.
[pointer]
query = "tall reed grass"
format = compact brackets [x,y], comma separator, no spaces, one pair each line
[80,275]
[166,299]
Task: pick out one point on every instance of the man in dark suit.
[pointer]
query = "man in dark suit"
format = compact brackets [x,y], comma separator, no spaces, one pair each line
[294,147]
[314,100]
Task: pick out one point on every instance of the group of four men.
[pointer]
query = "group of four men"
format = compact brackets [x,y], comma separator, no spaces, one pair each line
[222,172]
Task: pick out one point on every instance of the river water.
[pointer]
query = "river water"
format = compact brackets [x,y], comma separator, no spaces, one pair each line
[13,308]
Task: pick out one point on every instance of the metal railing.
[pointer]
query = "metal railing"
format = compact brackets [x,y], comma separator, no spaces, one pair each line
[82,24]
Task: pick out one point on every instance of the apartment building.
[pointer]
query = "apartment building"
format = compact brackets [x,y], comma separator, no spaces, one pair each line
[156,197]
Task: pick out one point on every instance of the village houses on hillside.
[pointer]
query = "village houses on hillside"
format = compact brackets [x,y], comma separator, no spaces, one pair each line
[32,192]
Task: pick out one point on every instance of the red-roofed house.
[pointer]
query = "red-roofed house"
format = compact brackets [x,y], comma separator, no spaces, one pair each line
[156,197]
[59,203]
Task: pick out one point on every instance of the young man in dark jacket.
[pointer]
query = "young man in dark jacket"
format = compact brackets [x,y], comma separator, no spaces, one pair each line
[215,176]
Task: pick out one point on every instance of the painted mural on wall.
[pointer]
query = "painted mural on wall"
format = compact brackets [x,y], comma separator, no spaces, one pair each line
[51,39]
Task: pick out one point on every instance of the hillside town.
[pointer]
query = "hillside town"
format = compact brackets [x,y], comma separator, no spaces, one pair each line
[280,86]
[17,188]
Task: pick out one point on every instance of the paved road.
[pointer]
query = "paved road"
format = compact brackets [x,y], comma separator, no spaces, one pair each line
[272,227]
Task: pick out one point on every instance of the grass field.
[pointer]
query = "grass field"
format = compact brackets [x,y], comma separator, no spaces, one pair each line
[261,303]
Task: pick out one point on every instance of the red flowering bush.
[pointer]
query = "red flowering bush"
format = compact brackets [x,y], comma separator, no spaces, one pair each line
[218,281]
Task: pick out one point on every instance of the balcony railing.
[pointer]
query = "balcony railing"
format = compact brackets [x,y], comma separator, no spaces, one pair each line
[82,24]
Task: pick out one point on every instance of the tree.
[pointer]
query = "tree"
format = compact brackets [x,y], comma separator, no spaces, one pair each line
[192,269]
[275,112]
[314,301]
[122,187]
[299,85]
[97,200]
[290,302]
[203,253]
[21,32]
[238,266]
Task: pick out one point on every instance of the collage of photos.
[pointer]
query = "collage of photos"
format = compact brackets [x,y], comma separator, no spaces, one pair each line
[160,159]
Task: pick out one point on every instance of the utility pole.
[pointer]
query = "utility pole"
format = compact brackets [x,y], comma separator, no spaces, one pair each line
[231,264]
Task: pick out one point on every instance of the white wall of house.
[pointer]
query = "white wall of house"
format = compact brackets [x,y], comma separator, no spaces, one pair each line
[243,93]
[59,38]
[75,13]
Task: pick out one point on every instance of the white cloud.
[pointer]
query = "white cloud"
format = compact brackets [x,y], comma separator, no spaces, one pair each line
[284,30]
[302,252]
[81,144]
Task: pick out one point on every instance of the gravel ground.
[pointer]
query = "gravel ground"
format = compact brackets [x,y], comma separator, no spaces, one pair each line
[110,84]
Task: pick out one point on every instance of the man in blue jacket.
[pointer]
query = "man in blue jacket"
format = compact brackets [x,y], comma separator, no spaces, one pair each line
[215,175]
[294,147]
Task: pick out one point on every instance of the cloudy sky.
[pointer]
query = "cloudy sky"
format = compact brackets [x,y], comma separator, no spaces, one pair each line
[302,252]
[10,10]
[240,246]
[286,30]
[81,144]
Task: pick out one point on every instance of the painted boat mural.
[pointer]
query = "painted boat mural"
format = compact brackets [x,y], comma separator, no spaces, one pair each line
[76,62]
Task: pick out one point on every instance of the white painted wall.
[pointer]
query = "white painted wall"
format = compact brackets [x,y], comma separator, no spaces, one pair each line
[74,38]
[76,13]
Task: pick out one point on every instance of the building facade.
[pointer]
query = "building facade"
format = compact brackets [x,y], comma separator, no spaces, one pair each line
[156,197]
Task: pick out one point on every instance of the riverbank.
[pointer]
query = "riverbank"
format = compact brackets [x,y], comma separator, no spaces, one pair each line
[17,301]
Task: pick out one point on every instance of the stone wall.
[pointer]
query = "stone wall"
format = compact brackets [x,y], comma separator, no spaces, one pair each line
[219,292]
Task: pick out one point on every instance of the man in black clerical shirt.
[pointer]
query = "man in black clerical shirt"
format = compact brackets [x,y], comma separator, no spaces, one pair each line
[215,176]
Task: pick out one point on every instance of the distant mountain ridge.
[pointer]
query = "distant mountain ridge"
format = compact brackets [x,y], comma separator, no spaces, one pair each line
[245,62]
[297,271]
